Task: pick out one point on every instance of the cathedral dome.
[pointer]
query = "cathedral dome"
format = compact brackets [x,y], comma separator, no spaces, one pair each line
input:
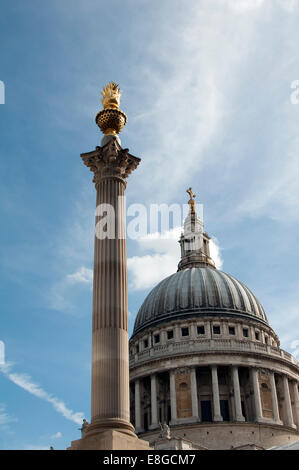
[198,291]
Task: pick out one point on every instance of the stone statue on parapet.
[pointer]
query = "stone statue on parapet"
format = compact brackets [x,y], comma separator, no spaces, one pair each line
[83,427]
[165,431]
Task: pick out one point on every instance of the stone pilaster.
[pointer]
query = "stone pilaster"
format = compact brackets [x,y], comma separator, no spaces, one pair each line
[237,395]
[216,399]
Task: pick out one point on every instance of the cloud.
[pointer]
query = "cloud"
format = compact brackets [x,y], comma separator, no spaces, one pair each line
[147,270]
[58,435]
[83,275]
[215,252]
[25,382]
[244,5]
[5,418]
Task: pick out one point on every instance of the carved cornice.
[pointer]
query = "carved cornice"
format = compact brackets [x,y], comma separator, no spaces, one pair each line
[110,161]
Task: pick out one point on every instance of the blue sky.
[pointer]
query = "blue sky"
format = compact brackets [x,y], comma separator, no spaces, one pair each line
[206,88]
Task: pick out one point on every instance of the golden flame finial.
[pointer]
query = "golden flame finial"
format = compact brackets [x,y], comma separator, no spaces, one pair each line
[191,201]
[111,119]
[111,96]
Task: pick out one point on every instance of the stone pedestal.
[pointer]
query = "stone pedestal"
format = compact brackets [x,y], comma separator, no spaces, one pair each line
[109,440]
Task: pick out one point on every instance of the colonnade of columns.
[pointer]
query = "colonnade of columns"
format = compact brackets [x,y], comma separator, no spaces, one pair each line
[290,413]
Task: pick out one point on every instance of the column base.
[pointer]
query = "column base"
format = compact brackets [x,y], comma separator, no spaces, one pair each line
[109,440]
[110,424]
[240,419]
[217,419]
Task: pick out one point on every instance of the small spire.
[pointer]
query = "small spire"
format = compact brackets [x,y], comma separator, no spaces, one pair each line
[191,201]
[195,251]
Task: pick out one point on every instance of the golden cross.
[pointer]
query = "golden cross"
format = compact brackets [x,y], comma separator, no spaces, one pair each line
[190,192]
[191,201]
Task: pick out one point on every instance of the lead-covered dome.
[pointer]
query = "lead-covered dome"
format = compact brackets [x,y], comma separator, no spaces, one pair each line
[198,291]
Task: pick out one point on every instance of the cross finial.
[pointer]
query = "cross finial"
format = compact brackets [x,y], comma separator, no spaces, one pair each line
[191,201]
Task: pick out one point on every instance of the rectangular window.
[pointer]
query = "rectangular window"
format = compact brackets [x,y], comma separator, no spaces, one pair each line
[216,330]
[145,343]
[156,339]
[257,336]
[185,331]
[231,330]
[245,332]
[169,334]
[201,330]
[137,348]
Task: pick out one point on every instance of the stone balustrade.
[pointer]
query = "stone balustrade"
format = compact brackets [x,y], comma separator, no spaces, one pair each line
[203,345]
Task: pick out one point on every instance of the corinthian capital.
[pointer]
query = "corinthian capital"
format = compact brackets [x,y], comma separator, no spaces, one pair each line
[110,161]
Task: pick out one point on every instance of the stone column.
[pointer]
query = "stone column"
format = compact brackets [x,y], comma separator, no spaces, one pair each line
[154,405]
[216,400]
[110,369]
[172,397]
[138,427]
[276,417]
[296,402]
[237,395]
[287,403]
[256,395]
[194,394]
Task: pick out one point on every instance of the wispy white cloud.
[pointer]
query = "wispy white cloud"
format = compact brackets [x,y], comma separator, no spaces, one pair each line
[147,270]
[5,418]
[215,252]
[82,275]
[58,435]
[26,383]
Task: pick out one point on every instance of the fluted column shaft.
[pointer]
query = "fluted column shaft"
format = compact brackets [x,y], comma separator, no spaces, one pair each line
[256,395]
[154,403]
[111,165]
[274,399]
[172,396]
[194,394]
[110,368]
[216,399]
[237,395]
[287,403]
[138,427]
[296,402]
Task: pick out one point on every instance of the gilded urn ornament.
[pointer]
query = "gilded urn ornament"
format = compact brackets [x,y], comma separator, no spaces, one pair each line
[111,119]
